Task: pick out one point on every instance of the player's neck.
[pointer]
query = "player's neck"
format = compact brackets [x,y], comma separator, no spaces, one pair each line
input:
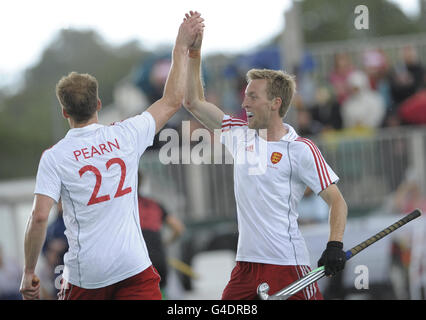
[275,131]
[92,120]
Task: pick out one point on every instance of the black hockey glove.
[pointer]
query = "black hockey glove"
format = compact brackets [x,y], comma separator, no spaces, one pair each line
[333,258]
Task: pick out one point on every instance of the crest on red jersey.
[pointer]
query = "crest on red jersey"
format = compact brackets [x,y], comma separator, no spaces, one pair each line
[276,157]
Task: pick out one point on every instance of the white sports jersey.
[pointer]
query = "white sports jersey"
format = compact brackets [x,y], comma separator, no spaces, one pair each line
[270,179]
[94,171]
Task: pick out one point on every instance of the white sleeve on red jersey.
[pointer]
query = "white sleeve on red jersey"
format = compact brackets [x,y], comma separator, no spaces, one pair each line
[233,131]
[312,168]
[48,182]
[142,130]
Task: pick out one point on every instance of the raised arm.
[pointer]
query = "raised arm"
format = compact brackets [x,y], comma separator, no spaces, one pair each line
[163,109]
[207,113]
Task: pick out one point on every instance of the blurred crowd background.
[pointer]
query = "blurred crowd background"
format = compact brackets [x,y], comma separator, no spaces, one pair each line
[361,97]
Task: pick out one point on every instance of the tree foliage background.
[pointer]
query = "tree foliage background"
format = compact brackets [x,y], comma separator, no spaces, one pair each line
[30,119]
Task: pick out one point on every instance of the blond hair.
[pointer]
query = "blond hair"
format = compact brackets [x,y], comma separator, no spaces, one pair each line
[78,94]
[279,85]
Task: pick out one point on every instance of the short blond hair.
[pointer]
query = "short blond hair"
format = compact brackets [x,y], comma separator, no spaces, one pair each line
[78,94]
[279,85]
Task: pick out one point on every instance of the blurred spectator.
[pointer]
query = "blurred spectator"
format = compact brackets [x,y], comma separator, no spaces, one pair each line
[396,152]
[406,77]
[327,110]
[338,78]
[363,107]
[413,110]
[414,67]
[305,78]
[306,125]
[392,119]
[376,67]
[152,216]
[56,233]
[404,254]
[54,249]
[51,268]
[151,78]
[409,195]
[10,278]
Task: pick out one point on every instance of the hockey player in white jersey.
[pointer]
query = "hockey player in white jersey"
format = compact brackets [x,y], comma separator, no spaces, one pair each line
[93,170]
[272,168]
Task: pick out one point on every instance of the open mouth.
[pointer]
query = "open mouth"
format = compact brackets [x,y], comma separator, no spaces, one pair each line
[249,114]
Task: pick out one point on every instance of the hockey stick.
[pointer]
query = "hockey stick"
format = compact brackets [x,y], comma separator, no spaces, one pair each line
[315,275]
[183,268]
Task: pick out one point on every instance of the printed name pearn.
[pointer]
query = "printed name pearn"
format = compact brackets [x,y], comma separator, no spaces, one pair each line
[90,152]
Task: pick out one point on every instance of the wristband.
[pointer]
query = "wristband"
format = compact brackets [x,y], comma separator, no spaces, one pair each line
[194,53]
[335,244]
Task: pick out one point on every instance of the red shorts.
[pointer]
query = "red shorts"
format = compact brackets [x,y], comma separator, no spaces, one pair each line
[246,277]
[142,286]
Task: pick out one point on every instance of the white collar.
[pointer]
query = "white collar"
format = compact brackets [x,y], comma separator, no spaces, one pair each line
[83,130]
[291,134]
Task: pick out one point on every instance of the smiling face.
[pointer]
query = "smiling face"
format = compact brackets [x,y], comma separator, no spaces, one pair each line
[268,97]
[258,107]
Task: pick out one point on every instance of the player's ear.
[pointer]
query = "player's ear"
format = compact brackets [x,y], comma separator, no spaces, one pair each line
[64,113]
[99,106]
[276,104]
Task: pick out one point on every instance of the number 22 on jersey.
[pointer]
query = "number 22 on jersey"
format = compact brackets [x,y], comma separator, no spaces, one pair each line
[120,191]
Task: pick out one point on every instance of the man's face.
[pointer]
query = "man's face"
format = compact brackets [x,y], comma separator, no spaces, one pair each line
[257,104]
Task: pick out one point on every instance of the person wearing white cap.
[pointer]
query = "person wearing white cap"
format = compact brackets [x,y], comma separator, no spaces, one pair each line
[364,107]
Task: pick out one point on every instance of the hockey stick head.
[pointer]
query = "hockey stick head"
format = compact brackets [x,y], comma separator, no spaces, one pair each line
[262,291]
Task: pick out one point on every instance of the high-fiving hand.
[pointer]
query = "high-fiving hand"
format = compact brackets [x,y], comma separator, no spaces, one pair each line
[196,45]
[190,29]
